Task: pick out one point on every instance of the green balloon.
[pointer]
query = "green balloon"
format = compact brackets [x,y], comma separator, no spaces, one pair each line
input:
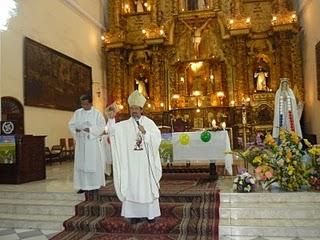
[184,139]
[205,136]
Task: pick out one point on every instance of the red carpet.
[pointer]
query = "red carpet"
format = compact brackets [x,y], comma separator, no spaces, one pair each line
[189,210]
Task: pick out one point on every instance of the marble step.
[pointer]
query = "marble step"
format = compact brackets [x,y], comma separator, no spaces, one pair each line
[270,197]
[21,206]
[270,210]
[228,237]
[279,215]
[297,232]
[26,221]
[53,196]
[37,209]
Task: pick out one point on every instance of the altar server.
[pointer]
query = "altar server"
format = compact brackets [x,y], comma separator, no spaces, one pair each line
[86,126]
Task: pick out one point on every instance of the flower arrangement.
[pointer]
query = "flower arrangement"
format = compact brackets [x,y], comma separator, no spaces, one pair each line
[314,177]
[287,160]
[244,182]
[249,154]
[282,161]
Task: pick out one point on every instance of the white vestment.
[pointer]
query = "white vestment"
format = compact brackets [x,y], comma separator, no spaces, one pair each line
[106,146]
[137,173]
[286,113]
[88,162]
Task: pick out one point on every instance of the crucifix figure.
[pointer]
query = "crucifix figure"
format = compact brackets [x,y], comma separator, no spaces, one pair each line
[196,38]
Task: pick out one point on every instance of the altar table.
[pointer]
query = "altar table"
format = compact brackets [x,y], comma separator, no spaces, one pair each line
[195,149]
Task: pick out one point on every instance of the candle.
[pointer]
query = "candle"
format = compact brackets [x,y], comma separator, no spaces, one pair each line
[223,125]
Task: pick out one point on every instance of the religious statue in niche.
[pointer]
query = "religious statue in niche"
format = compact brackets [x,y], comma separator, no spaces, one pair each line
[261,77]
[141,76]
[139,6]
[196,72]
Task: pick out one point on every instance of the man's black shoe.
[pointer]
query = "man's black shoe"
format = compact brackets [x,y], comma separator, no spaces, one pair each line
[80,191]
[151,220]
[135,220]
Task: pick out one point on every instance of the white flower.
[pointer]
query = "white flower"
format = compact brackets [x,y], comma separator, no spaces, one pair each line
[252,181]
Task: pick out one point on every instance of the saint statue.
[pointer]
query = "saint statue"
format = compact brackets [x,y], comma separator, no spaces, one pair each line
[285,110]
[142,85]
[261,77]
[139,6]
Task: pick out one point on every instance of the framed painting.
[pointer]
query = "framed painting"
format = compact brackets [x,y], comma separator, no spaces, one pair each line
[52,79]
[318,68]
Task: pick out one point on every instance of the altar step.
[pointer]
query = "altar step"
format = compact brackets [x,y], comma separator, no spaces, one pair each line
[270,215]
[38,210]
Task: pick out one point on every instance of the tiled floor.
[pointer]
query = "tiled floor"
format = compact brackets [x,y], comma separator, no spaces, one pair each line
[30,234]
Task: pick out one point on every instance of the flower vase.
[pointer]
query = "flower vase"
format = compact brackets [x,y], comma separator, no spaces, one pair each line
[265,186]
[275,187]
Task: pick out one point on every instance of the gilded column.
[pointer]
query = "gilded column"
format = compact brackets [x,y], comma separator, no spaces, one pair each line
[154,11]
[156,86]
[237,11]
[282,6]
[117,12]
[241,86]
[285,55]
[116,77]
[297,76]
[176,5]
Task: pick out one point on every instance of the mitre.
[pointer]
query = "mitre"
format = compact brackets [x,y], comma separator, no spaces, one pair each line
[136,99]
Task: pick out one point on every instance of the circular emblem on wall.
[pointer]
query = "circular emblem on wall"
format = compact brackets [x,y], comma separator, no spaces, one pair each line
[7,128]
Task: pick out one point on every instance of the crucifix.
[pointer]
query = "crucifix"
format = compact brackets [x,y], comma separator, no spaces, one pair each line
[196,38]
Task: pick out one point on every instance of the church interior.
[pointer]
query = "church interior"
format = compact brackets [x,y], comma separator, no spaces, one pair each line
[202,65]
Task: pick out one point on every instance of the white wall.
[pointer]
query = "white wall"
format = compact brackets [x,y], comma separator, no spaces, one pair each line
[310,19]
[61,25]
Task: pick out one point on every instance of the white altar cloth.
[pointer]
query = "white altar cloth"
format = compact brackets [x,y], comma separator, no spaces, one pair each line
[196,149]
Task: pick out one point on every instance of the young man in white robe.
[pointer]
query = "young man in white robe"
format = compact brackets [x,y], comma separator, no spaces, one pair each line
[286,112]
[136,163]
[110,114]
[86,126]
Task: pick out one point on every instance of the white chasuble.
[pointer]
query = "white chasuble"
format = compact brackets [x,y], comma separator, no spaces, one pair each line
[137,170]
[88,162]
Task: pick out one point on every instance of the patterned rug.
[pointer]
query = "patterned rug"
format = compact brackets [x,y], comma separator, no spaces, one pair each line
[189,210]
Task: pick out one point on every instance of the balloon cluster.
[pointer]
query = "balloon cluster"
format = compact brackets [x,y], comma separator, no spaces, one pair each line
[184,138]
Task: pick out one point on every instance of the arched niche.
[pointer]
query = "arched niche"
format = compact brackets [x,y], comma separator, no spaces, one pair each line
[12,110]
